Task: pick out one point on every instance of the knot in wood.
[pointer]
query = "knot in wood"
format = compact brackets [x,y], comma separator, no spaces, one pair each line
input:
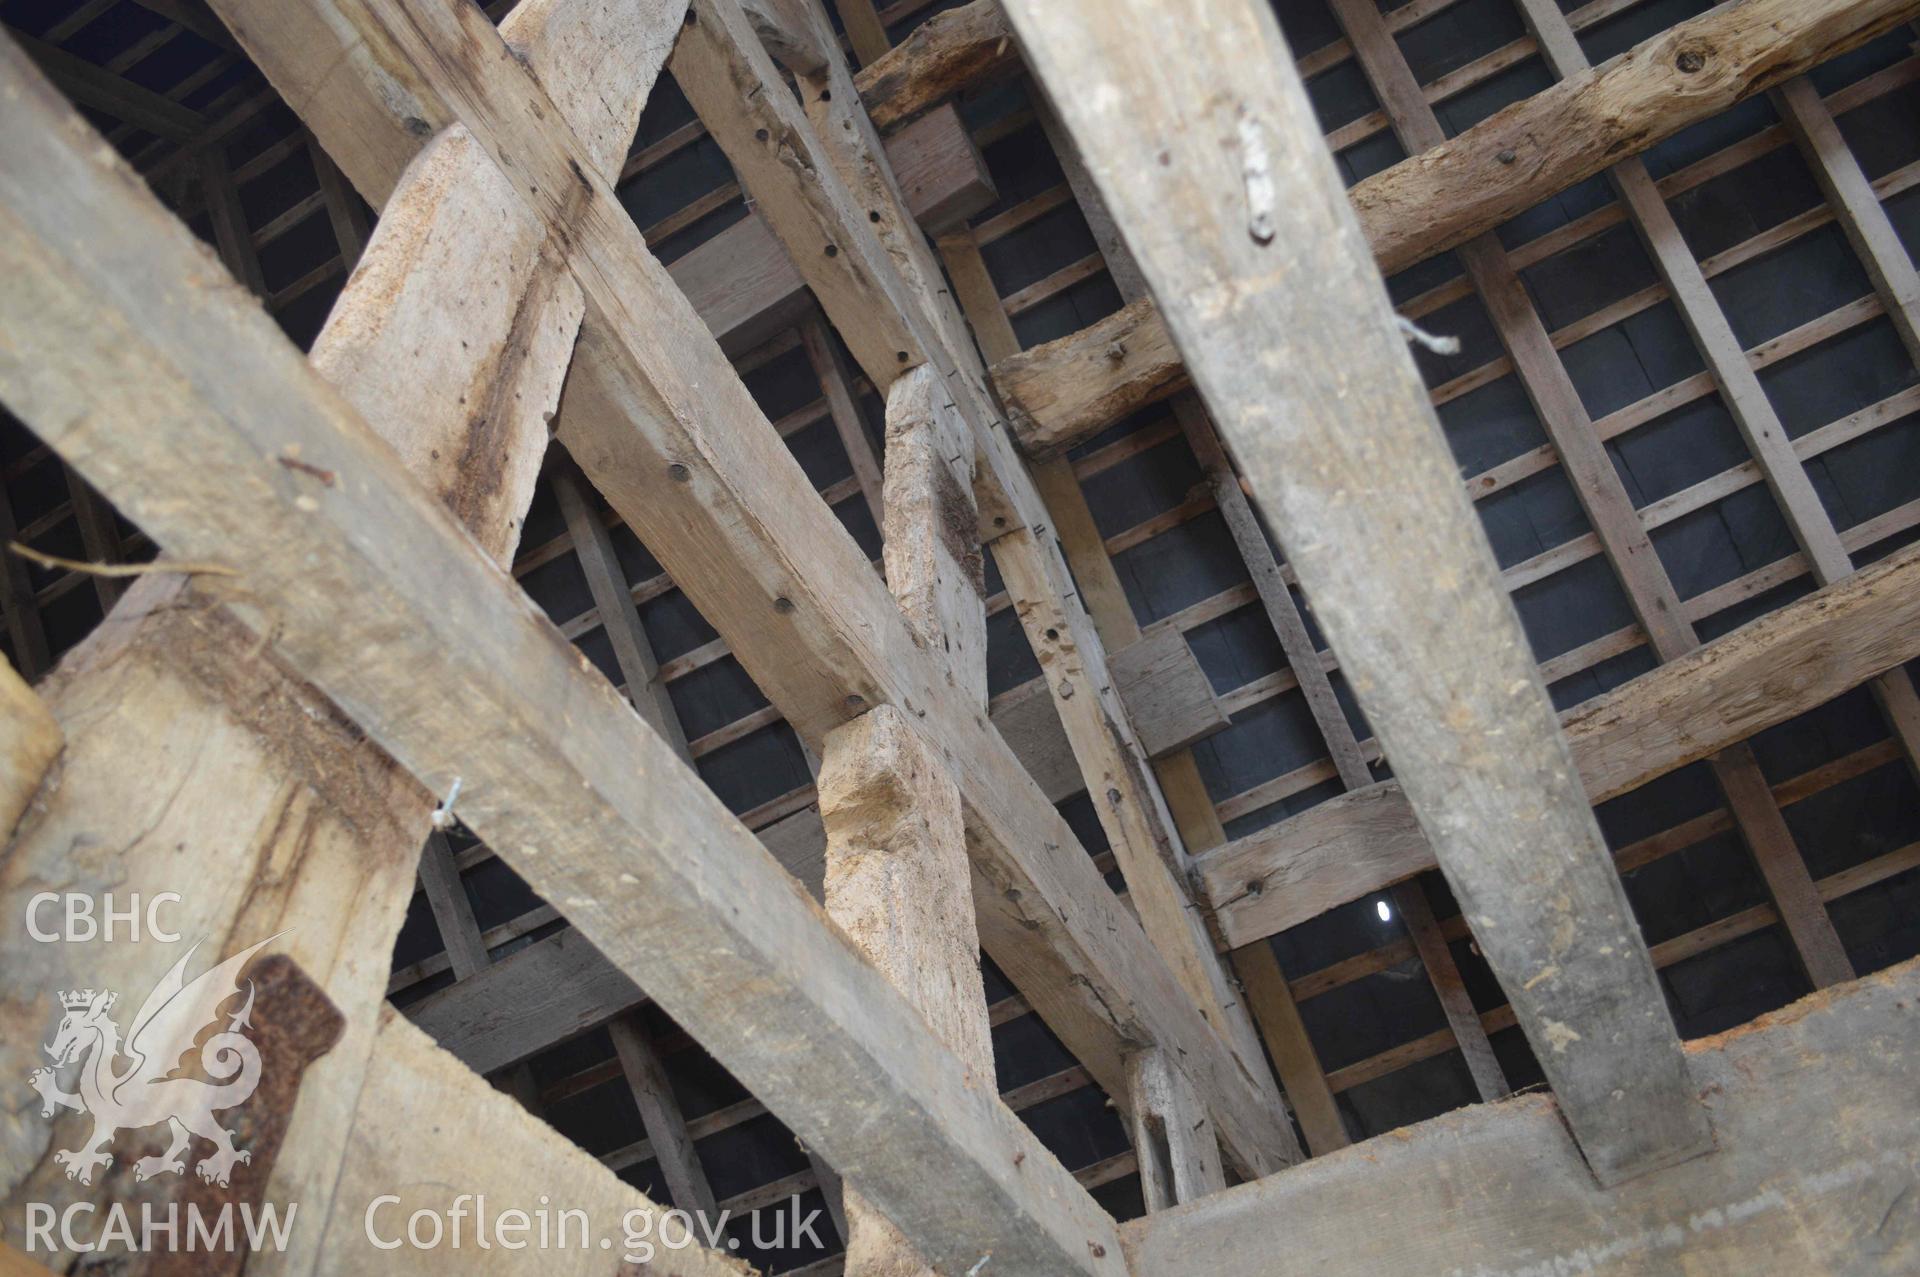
[1690,60]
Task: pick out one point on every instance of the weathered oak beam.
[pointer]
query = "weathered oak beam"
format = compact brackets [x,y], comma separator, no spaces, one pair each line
[295,821]
[822,182]
[447,650]
[1061,393]
[784,27]
[1602,494]
[1266,283]
[1564,134]
[561,986]
[1764,673]
[427,1130]
[897,883]
[897,873]
[679,447]
[955,49]
[1814,1171]
[29,742]
[1648,587]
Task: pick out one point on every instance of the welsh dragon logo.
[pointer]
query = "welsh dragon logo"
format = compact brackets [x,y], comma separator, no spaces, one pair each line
[147,1090]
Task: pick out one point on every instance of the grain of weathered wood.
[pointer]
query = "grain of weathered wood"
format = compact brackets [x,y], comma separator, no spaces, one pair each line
[955,49]
[1171,701]
[1764,673]
[942,176]
[195,764]
[1602,493]
[30,740]
[1446,196]
[1187,799]
[427,1131]
[880,285]
[719,933]
[459,267]
[787,31]
[558,987]
[1817,1143]
[898,885]
[1573,130]
[933,558]
[726,76]
[1179,1157]
[265,772]
[742,281]
[1060,633]
[1086,969]
[1324,408]
[1069,389]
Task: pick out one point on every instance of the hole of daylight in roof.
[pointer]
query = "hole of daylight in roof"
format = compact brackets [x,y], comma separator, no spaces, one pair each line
[1380,907]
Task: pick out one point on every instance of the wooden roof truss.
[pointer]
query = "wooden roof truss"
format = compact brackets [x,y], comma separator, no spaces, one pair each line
[507,298]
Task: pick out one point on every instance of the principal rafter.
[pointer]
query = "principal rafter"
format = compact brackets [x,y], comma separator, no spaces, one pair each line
[112,304]
[678,447]
[1203,143]
[1765,673]
[1072,388]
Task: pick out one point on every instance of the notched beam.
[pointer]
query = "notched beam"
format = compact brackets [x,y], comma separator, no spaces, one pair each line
[1764,673]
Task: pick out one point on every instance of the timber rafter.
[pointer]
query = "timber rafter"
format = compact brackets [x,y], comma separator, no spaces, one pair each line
[1151,1007]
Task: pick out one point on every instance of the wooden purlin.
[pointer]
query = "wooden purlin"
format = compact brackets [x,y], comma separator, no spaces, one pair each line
[1815,648]
[838,210]
[1292,1052]
[1086,966]
[289,783]
[1349,455]
[1596,482]
[481,650]
[1659,513]
[1405,210]
[1857,209]
[1853,204]
[1263,987]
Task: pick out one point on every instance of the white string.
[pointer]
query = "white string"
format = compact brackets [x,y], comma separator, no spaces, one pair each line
[443,814]
[1415,333]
